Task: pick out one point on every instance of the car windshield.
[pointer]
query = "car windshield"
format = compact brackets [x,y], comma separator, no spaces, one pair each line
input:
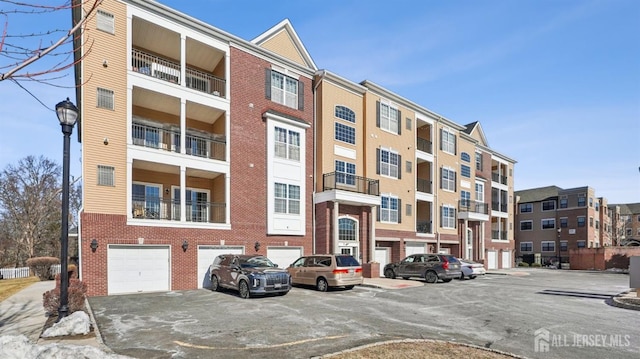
[253,262]
[346,261]
[452,259]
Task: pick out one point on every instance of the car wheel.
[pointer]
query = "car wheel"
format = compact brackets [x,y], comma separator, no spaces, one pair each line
[405,278]
[447,280]
[349,287]
[243,289]
[322,285]
[431,277]
[215,283]
[461,276]
[389,273]
[472,277]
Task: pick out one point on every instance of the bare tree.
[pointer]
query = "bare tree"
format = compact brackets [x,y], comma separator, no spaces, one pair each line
[30,209]
[19,50]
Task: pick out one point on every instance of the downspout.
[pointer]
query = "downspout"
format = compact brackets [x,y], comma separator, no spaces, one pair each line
[315,175]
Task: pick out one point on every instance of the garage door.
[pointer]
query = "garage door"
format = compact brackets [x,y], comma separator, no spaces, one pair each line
[414,248]
[382,257]
[206,255]
[492,260]
[133,269]
[506,259]
[284,256]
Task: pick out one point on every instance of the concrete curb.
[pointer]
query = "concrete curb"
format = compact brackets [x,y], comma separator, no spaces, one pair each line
[616,302]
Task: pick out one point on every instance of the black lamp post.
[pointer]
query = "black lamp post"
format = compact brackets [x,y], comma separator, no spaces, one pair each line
[559,264]
[67,114]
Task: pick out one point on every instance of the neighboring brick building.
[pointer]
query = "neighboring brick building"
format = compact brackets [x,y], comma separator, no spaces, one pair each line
[625,222]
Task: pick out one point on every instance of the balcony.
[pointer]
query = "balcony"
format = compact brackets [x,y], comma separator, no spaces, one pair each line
[168,139]
[424,145]
[424,185]
[351,183]
[473,210]
[496,177]
[499,206]
[424,227]
[155,66]
[499,235]
[156,208]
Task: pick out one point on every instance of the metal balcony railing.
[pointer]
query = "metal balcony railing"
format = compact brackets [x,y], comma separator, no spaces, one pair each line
[158,137]
[168,70]
[162,209]
[352,183]
[501,235]
[499,206]
[424,145]
[496,177]
[153,208]
[473,206]
[424,227]
[424,185]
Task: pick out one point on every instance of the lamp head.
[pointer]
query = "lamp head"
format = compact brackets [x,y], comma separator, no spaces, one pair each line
[67,112]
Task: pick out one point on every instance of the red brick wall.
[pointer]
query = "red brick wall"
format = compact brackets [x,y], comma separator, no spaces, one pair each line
[602,258]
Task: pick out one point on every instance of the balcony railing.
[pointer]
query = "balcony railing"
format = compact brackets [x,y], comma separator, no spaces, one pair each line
[424,227]
[496,177]
[158,67]
[352,183]
[473,206]
[501,235]
[425,145]
[499,207]
[169,140]
[424,185]
[163,209]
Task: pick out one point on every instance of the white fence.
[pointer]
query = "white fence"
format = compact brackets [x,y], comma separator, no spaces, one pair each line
[24,272]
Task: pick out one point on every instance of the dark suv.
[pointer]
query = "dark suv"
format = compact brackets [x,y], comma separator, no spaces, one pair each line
[431,267]
[249,274]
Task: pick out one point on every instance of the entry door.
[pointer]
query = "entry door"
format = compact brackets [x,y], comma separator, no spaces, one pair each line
[382,257]
[506,259]
[469,254]
[492,260]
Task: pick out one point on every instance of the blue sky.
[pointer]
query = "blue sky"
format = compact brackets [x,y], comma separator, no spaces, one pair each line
[555,84]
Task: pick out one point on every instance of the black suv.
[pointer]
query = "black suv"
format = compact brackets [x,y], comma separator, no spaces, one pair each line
[249,274]
[431,267]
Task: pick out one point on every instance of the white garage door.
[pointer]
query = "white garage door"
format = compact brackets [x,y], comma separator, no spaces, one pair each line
[492,260]
[206,255]
[284,256]
[414,248]
[506,259]
[133,269]
[382,257]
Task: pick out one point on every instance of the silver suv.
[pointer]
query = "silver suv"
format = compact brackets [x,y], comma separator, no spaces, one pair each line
[431,267]
[248,274]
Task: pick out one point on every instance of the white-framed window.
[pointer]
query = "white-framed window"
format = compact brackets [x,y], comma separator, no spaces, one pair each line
[479,192]
[448,179]
[345,173]
[548,246]
[465,198]
[526,207]
[526,225]
[447,141]
[564,203]
[105,98]
[389,209]
[345,133]
[548,223]
[582,201]
[146,200]
[284,89]
[287,144]
[478,161]
[548,205]
[465,171]
[389,116]
[105,21]
[287,198]
[448,216]
[389,161]
[106,175]
[345,113]
[196,203]
[526,246]
[347,229]
[582,221]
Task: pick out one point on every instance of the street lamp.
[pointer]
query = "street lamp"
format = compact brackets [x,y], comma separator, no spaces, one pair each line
[67,115]
[558,249]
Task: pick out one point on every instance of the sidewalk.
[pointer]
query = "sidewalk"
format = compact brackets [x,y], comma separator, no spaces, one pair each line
[387,283]
[23,313]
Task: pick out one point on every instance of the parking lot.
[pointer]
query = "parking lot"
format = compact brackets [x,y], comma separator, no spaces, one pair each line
[546,314]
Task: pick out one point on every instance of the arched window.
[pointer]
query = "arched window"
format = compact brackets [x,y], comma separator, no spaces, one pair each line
[347,229]
[345,113]
[465,157]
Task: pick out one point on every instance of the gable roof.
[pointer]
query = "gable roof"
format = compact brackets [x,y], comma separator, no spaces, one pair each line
[474,129]
[283,40]
[537,194]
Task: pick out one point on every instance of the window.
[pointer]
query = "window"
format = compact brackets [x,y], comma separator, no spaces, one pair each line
[106,176]
[389,118]
[549,223]
[389,163]
[448,217]
[526,246]
[582,221]
[526,225]
[287,198]
[590,221]
[465,198]
[597,224]
[408,210]
[526,207]
[197,204]
[582,244]
[590,202]
[345,113]
[564,246]
[478,161]
[146,200]
[597,206]
[465,157]
[581,201]
[346,229]
[448,141]
[104,99]
[479,192]
[564,203]
[408,123]
[564,222]
[448,179]
[629,231]
[105,21]
[465,171]
[389,209]
[345,173]
[284,90]
[408,166]
[548,205]
[345,133]
[548,246]
[287,144]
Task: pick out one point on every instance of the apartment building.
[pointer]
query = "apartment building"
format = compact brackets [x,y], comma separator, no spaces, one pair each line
[194,142]
[552,220]
[394,178]
[625,223]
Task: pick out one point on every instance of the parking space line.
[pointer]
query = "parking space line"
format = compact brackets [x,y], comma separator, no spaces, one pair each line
[297,342]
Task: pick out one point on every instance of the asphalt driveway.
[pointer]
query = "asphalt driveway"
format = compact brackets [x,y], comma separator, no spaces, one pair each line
[507,313]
